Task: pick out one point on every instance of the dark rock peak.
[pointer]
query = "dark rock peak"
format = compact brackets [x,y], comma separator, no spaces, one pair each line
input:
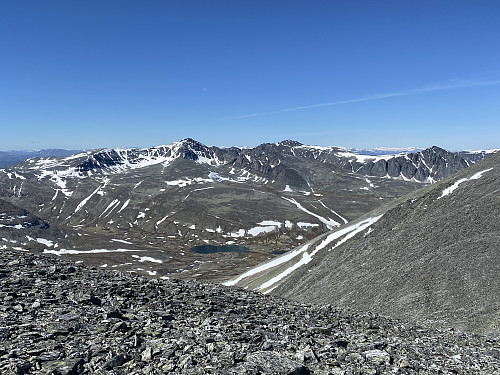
[290,143]
[436,149]
[193,150]
[266,148]
[99,160]
[193,143]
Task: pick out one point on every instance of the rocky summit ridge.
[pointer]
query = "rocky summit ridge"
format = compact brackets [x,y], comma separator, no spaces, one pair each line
[62,318]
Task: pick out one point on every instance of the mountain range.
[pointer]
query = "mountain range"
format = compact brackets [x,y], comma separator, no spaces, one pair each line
[9,158]
[363,264]
[188,210]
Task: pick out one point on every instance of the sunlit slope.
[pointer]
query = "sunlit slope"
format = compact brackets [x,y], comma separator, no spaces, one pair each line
[432,256]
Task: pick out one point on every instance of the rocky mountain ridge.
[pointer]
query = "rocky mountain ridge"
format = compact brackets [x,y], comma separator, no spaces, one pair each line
[161,202]
[426,165]
[57,317]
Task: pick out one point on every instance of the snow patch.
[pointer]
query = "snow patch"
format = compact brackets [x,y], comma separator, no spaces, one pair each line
[115,202]
[146,259]
[95,251]
[215,177]
[347,233]
[273,263]
[260,230]
[301,225]
[330,223]
[82,203]
[332,211]
[161,221]
[122,241]
[188,181]
[124,205]
[453,187]
[240,233]
[45,242]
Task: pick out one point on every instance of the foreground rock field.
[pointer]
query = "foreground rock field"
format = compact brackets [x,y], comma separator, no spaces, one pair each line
[62,318]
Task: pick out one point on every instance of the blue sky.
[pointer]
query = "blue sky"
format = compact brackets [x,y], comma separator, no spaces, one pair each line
[90,74]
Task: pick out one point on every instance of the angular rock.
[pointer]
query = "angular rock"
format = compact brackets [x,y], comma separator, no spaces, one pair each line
[269,362]
[205,328]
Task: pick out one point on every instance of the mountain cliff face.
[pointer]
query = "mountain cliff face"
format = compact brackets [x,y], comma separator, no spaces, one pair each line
[432,164]
[164,201]
[431,256]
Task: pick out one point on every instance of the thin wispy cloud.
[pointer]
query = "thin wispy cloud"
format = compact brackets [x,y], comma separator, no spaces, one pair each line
[451,85]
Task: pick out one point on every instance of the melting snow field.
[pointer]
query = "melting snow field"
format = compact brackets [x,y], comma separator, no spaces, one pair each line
[96,191]
[124,205]
[95,251]
[305,256]
[188,181]
[122,241]
[267,265]
[334,212]
[347,232]
[301,224]
[453,187]
[330,223]
[259,230]
[45,242]
[265,226]
[146,259]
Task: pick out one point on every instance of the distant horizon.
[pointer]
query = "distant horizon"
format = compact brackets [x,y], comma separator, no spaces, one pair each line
[353,148]
[94,74]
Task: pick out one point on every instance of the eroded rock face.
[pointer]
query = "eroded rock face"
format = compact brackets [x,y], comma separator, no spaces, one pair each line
[61,318]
